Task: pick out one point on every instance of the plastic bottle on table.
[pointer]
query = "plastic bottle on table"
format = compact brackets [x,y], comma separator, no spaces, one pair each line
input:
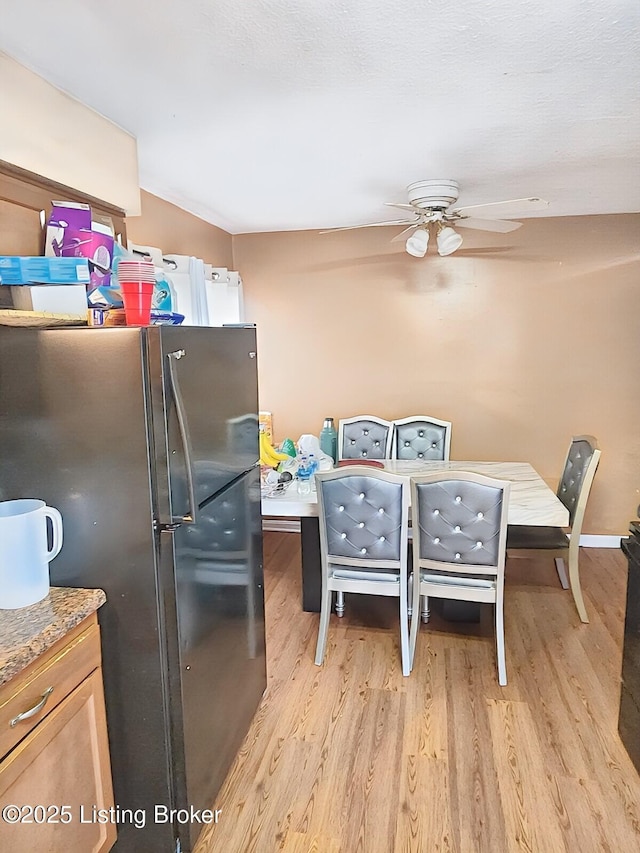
[329,439]
[313,465]
[304,474]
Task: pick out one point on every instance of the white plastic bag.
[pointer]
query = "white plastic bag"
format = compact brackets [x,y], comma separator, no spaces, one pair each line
[310,445]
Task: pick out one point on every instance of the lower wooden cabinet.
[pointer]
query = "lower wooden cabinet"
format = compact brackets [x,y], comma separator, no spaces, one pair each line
[55,784]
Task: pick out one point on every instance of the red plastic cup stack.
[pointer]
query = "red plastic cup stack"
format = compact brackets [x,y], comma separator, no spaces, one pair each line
[136,280]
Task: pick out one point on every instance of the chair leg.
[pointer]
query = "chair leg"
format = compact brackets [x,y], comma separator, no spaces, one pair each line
[500,654]
[562,573]
[407,660]
[340,604]
[574,578]
[323,629]
[415,621]
[425,609]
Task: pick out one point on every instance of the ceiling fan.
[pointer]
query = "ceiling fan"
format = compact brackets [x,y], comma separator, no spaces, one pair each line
[431,202]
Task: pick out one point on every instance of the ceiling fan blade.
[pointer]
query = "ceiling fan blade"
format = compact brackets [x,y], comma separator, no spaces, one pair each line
[502,226]
[368,225]
[403,234]
[401,206]
[512,207]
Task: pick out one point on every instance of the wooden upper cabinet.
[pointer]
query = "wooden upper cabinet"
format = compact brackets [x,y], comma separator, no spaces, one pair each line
[22,191]
[25,201]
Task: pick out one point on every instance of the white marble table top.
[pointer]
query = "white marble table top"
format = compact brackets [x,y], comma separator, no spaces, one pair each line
[531,500]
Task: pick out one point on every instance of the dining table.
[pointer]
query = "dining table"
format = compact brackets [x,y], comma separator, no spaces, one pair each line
[531,502]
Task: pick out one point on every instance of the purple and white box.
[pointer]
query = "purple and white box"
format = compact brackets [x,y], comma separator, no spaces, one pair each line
[71,232]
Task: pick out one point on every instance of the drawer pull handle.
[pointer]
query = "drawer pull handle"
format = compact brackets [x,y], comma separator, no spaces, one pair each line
[30,713]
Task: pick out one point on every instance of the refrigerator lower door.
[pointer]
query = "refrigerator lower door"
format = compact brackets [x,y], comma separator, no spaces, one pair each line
[220,615]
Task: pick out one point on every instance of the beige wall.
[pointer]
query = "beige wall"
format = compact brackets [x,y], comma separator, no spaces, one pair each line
[175,231]
[533,338]
[48,132]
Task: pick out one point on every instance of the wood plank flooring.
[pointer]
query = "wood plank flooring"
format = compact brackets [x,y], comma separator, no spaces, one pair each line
[352,757]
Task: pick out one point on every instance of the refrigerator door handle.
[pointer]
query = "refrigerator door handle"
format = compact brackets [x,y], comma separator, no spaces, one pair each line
[191,516]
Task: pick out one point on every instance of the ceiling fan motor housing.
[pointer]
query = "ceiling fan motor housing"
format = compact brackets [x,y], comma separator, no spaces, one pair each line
[433,194]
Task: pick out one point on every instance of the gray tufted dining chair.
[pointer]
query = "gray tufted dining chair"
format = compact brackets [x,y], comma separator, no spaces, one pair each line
[573,490]
[364,437]
[420,437]
[364,520]
[459,544]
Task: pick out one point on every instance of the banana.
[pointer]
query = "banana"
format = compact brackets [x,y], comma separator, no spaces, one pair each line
[278,455]
[268,455]
[264,459]
[269,451]
[266,462]
[263,448]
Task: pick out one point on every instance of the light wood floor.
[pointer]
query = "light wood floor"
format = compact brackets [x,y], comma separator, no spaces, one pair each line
[352,757]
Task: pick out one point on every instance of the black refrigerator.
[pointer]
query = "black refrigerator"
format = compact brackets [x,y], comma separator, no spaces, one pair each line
[146,440]
[629,715]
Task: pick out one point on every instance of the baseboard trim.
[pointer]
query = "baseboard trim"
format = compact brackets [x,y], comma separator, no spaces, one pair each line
[596,541]
[281,525]
[292,525]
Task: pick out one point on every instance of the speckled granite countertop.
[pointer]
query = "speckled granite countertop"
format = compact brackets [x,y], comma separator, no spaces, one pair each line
[29,631]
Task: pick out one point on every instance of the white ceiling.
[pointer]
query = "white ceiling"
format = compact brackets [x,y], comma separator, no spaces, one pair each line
[264,115]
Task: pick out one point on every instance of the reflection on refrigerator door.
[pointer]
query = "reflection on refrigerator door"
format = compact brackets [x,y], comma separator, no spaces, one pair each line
[220,626]
[216,553]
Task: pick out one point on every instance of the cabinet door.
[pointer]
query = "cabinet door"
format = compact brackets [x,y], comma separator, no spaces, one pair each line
[64,761]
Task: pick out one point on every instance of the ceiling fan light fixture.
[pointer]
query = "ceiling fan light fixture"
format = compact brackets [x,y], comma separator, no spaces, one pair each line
[448,240]
[418,243]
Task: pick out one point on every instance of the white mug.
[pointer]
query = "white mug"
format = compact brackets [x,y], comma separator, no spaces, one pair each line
[25,552]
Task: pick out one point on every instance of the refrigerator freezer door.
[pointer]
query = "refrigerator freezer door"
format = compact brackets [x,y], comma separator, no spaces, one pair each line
[204,401]
[220,613]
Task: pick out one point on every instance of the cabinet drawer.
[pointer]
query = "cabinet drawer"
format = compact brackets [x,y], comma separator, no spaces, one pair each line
[63,761]
[46,684]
